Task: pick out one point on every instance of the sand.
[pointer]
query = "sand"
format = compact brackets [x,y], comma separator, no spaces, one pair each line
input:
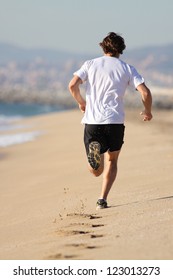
[48,197]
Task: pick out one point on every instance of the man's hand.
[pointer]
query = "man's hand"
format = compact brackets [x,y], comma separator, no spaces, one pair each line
[146,116]
[82,107]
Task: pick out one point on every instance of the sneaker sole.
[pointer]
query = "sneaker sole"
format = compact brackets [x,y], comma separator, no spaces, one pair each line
[94,157]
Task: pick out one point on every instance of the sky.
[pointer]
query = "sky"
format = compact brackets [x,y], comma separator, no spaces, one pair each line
[78,26]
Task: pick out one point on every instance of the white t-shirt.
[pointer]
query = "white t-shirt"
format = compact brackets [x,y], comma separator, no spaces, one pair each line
[106,81]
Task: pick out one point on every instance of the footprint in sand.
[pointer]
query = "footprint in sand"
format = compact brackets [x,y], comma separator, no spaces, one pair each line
[98,225]
[60,256]
[86,225]
[96,235]
[70,232]
[83,246]
[82,215]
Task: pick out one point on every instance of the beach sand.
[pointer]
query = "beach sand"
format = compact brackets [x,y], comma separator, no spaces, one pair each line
[48,197]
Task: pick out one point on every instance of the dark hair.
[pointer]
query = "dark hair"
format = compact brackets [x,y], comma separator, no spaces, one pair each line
[113,44]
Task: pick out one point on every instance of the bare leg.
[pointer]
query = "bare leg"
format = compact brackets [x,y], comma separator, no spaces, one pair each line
[110,172]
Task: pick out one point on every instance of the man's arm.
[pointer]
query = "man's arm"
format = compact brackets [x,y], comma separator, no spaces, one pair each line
[75,92]
[147,101]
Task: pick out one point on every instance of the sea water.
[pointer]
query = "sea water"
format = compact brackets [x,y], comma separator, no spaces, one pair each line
[10,114]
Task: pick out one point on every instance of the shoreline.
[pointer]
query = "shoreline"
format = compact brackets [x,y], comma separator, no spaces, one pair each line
[48,196]
[14,122]
[14,131]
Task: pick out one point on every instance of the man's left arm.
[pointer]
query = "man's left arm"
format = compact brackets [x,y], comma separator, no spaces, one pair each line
[147,101]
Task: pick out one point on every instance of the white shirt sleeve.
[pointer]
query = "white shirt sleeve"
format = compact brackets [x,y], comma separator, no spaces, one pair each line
[82,73]
[135,78]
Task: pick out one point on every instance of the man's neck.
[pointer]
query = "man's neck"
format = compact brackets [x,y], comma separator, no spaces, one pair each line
[109,54]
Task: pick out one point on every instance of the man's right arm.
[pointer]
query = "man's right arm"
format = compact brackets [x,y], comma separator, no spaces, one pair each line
[147,101]
[75,92]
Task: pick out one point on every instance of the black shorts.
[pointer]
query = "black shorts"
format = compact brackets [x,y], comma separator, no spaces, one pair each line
[110,136]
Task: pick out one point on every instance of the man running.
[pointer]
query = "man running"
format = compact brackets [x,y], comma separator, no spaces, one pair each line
[107,78]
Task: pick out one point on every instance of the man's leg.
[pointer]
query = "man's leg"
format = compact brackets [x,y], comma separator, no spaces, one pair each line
[110,172]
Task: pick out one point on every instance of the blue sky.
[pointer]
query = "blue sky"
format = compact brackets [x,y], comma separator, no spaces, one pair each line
[78,25]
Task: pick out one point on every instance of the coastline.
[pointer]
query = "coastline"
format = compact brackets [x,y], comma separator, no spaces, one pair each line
[48,197]
[11,114]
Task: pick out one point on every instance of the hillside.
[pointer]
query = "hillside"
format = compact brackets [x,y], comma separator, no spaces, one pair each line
[42,75]
[155,63]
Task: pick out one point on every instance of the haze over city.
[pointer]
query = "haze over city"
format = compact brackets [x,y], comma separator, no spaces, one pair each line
[43,42]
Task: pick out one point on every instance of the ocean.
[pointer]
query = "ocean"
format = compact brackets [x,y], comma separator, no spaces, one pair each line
[10,113]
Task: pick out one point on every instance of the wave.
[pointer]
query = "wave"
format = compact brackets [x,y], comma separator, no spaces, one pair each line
[19,138]
[9,122]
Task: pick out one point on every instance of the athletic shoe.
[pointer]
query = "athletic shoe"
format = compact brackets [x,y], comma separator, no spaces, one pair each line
[101,204]
[94,157]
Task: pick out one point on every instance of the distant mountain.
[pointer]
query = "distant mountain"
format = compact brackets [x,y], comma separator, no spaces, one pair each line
[158,58]
[10,52]
[42,75]
[155,63]
[159,54]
